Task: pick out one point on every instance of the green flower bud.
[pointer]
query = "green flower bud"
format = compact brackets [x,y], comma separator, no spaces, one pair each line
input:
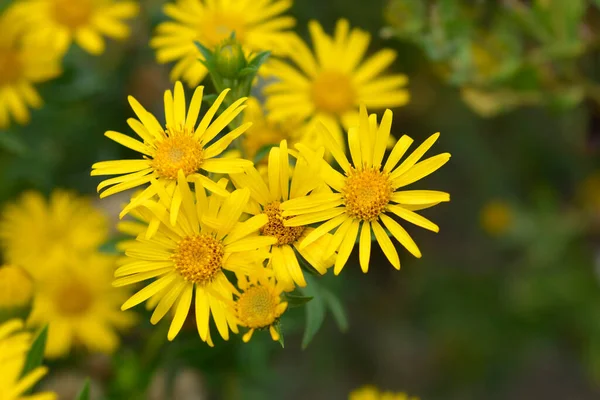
[230,59]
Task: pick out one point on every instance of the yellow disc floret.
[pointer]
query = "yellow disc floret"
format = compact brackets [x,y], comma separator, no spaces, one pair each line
[72,14]
[16,287]
[10,66]
[74,298]
[284,234]
[198,258]
[333,92]
[179,151]
[366,193]
[259,307]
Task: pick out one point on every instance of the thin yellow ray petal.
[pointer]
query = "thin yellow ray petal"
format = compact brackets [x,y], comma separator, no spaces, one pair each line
[149,291]
[179,105]
[386,244]
[413,218]
[181,312]
[194,111]
[346,247]
[202,313]
[415,156]
[397,152]
[129,142]
[322,230]
[308,219]
[169,109]
[401,235]
[167,301]
[291,261]
[420,170]
[419,197]
[365,246]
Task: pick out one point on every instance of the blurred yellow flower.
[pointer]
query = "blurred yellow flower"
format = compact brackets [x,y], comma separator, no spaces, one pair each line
[588,193]
[22,64]
[365,194]
[259,306]
[496,217]
[16,287]
[181,146]
[14,345]
[258,25]
[283,184]
[80,305]
[372,393]
[330,85]
[191,256]
[58,23]
[34,230]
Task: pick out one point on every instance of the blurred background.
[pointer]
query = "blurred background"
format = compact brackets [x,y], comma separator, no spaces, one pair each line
[504,303]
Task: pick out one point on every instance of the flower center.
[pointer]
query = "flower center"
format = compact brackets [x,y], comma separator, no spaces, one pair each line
[284,234]
[218,27]
[10,66]
[180,151]
[257,307]
[198,258]
[366,193]
[74,299]
[333,92]
[72,13]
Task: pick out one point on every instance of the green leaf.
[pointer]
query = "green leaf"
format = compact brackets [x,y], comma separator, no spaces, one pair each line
[84,393]
[35,355]
[337,309]
[12,143]
[205,51]
[209,98]
[295,300]
[277,327]
[315,311]
[247,71]
[259,59]
[263,152]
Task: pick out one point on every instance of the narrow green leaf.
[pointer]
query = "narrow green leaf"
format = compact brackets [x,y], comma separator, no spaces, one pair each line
[277,327]
[259,59]
[295,300]
[337,309]
[35,355]
[263,152]
[315,311]
[247,71]
[12,143]
[84,393]
[205,51]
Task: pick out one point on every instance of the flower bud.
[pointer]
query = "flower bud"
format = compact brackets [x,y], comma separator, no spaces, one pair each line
[230,58]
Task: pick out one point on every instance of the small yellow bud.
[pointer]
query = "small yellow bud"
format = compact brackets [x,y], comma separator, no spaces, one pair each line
[496,218]
[16,292]
[230,59]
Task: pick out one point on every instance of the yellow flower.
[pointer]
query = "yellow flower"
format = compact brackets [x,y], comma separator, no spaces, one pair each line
[80,305]
[181,146]
[191,257]
[58,23]
[330,87]
[282,185]
[258,25]
[22,64]
[259,305]
[34,230]
[16,287]
[14,345]
[365,194]
[496,217]
[372,393]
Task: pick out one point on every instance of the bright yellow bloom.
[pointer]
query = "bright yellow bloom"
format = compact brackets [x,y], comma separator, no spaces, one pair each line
[22,64]
[16,287]
[14,345]
[496,217]
[365,194]
[58,23]
[34,230]
[258,25]
[191,257]
[182,146]
[283,184]
[330,87]
[80,305]
[259,306]
[372,393]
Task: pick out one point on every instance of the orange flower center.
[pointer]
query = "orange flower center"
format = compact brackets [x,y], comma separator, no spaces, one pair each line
[333,92]
[10,66]
[72,13]
[74,299]
[217,27]
[284,234]
[178,151]
[257,307]
[366,193]
[198,258]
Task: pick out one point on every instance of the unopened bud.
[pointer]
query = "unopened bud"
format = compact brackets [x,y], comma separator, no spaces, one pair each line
[230,59]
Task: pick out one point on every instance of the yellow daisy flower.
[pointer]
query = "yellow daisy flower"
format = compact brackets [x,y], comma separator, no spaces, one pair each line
[330,85]
[367,192]
[58,23]
[191,257]
[80,305]
[14,345]
[22,64]
[182,146]
[16,288]
[282,185]
[60,228]
[259,306]
[258,26]
[372,393]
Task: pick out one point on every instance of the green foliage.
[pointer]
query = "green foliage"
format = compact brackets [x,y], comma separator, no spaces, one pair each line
[35,355]
[84,393]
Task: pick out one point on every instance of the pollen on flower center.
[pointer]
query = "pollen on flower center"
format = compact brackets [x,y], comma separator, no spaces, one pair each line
[275,227]
[198,258]
[333,92]
[258,307]
[366,193]
[219,26]
[177,152]
[10,66]
[73,299]
[72,13]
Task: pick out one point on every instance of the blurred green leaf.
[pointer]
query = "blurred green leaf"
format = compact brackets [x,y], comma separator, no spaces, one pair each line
[295,300]
[263,152]
[35,355]
[337,309]
[84,393]
[12,143]
[315,311]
